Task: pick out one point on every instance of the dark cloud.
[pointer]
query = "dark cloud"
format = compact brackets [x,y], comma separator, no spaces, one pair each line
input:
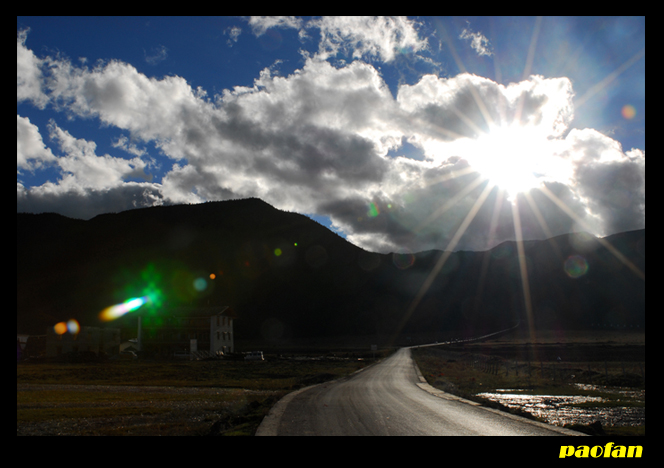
[616,193]
[87,203]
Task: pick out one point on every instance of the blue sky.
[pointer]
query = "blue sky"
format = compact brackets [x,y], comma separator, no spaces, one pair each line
[402,134]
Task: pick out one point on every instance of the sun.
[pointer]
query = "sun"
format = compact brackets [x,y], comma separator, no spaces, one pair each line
[515,158]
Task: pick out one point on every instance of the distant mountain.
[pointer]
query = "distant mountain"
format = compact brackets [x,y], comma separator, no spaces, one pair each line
[287,276]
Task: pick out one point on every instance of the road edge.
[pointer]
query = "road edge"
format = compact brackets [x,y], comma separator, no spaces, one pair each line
[269,426]
[270,423]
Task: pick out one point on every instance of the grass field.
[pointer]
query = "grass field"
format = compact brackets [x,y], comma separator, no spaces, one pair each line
[162,398]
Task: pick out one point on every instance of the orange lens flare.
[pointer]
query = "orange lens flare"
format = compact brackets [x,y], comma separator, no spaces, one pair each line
[70,326]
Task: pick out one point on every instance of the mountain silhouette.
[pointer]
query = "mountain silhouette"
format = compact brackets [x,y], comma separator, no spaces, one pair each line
[288,276]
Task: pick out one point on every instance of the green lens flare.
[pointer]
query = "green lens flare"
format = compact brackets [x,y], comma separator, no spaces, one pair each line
[118,310]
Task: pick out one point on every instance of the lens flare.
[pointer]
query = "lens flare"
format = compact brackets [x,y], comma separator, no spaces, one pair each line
[200,284]
[73,327]
[403,261]
[576,266]
[70,326]
[628,112]
[118,310]
[373,210]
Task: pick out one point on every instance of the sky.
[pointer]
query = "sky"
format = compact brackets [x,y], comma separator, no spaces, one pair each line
[401,134]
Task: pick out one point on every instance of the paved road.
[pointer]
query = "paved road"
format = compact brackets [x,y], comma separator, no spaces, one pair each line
[390,399]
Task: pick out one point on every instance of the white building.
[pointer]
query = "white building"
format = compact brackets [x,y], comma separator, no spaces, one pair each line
[221,331]
[193,331]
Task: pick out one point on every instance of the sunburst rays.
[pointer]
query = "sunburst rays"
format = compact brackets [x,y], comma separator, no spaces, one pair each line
[518,234]
[516,205]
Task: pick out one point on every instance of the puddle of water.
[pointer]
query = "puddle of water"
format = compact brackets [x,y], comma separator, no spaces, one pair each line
[555,409]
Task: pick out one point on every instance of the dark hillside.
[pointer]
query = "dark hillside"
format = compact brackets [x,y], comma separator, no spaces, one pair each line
[287,275]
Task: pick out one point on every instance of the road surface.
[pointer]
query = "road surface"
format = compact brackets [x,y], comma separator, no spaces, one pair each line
[390,398]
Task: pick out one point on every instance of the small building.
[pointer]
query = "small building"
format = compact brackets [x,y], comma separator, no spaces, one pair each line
[88,340]
[188,332]
[30,346]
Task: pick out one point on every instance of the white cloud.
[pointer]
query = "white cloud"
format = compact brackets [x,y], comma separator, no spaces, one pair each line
[367,36]
[478,42]
[83,168]
[260,24]
[123,143]
[89,184]
[28,73]
[361,37]
[119,95]
[31,152]
[157,55]
[233,33]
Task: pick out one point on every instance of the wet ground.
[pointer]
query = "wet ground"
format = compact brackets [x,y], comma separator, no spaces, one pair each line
[565,410]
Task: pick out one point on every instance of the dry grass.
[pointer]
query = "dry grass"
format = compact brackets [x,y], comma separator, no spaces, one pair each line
[160,398]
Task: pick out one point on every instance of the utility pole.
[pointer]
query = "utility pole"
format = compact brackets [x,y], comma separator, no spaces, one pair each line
[140,347]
